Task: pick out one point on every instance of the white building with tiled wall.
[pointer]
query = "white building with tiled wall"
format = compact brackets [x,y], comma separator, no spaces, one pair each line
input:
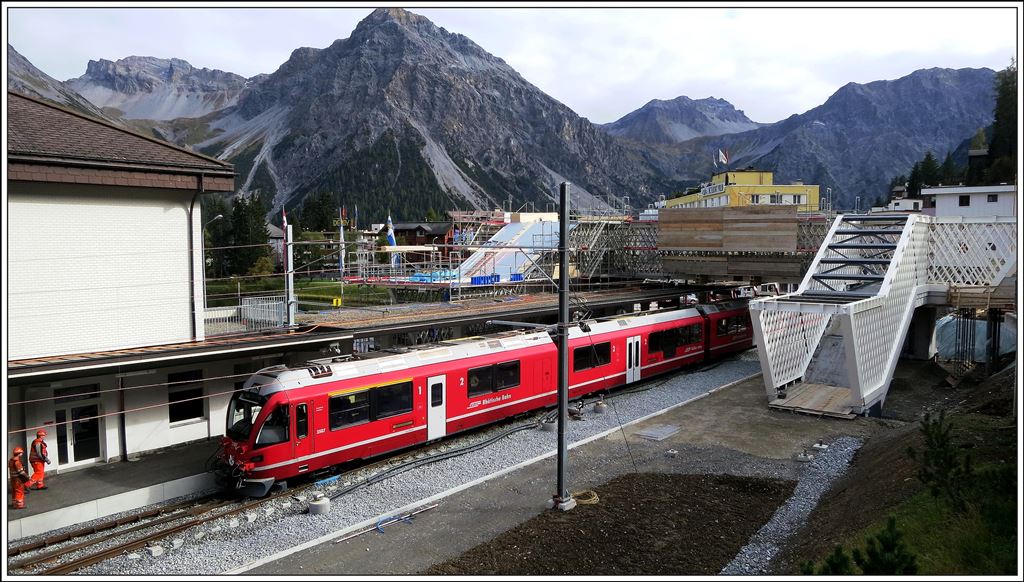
[974,201]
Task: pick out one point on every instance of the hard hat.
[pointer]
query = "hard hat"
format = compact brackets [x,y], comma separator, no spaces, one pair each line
[18,450]
[40,432]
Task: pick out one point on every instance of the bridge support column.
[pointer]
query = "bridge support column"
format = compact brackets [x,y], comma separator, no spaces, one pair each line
[921,334]
[992,337]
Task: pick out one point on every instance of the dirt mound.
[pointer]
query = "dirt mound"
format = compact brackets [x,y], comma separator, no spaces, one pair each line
[882,475]
[643,524]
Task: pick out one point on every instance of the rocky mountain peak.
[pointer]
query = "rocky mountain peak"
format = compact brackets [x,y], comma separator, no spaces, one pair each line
[142,87]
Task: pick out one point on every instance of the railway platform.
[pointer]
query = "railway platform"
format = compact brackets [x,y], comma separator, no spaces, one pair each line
[78,496]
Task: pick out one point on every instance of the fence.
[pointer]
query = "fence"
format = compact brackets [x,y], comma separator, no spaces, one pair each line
[254,314]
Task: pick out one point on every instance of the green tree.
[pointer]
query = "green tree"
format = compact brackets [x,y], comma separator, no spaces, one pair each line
[264,265]
[886,554]
[949,172]
[250,238]
[319,211]
[931,174]
[942,469]
[914,181]
[979,142]
[433,216]
[837,563]
[216,235]
[1003,149]
[310,258]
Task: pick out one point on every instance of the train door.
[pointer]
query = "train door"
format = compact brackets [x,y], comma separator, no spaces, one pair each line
[632,359]
[437,420]
[302,444]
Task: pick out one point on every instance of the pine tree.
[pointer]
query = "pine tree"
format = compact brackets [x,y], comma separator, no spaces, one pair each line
[886,554]
[914,181]
[1003,149]
[931,174]
[949,172]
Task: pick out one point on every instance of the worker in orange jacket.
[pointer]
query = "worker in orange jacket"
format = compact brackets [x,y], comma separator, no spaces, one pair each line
[19,477]
[38,458]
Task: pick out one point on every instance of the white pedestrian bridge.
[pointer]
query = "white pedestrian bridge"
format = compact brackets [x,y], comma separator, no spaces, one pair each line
[832,346]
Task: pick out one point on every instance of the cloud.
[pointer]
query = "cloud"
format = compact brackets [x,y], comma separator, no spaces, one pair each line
[603,62]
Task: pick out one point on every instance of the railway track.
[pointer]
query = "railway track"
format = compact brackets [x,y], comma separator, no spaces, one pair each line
[171,519]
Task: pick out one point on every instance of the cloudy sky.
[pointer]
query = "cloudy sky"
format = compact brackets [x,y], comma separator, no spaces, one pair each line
[602,61]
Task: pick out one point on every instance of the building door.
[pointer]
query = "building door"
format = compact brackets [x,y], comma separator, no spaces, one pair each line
[632,359]
[78,434]
[437,419]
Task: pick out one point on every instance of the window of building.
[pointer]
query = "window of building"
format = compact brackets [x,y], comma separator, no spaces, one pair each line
[348,409]
[591,356]
[391,400]
[756,199]
[965,200]
[185,396]
[275,428]
[776,199]
[992,198]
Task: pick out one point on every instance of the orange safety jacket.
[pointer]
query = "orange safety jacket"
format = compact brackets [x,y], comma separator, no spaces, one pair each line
[37,452]
[16,470]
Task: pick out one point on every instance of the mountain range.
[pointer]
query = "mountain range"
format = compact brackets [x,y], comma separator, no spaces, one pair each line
[405,116]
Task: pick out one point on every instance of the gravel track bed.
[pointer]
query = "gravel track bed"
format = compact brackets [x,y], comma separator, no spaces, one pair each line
[230,543]
[826,466]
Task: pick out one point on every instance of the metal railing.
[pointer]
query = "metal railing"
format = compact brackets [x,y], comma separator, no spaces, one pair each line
[253,314]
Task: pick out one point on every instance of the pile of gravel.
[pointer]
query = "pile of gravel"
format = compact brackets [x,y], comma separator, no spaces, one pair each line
[233,544]
[755,557]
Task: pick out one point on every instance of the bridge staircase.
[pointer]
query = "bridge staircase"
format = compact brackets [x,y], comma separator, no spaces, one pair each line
[832,346]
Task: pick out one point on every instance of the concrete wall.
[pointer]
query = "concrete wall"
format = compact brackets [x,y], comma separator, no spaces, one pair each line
[93,268]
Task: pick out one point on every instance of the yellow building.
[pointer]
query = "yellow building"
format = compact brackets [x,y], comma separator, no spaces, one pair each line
[748,188]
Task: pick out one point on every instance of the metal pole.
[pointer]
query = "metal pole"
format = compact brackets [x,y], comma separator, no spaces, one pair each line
[290,303]
[563,500]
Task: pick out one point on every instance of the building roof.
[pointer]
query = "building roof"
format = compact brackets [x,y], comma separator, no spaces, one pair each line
[429,227]
[42,132]
[942,190]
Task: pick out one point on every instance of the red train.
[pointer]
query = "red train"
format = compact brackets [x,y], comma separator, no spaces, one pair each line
[286,422]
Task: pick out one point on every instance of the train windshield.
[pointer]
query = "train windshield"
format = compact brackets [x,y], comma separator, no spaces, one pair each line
[243,409]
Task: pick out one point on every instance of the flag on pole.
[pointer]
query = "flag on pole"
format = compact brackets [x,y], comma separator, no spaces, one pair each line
[391,241]
[355,218]
[723,157]
[714,160]
[284,250]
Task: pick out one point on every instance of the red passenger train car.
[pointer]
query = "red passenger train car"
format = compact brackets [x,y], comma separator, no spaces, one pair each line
[286,422]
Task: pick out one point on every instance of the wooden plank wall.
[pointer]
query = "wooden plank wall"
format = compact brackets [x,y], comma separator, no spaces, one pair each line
[749,229]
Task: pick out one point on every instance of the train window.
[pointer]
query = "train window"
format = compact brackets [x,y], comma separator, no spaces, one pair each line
[480,381]
[732,325]
[692,334]
[506,375]
[436,394]
[591,356]
[391,400]
[275,428]
[242,411]
[347,409]
[665,341]
[301,422]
